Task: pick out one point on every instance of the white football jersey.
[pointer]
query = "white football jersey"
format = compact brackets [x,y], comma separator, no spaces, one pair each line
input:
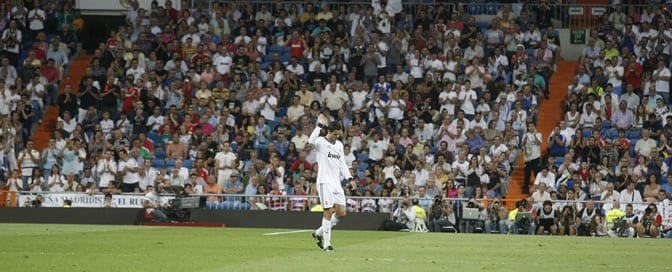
[330,159]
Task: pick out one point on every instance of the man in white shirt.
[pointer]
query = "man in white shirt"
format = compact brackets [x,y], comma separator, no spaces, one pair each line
[295,110]
[269,105]
[358,98]
[29,158]
[182,171]
[332,171]
[334,97]
[424,131]
[300,140]
[645,145]
[610,195]
[630,195]
[154,121]
[136,71]
[421,174]
[152,205]
[497,147]
[546,178]
[662,77]
[128,168]
[107,170]
[532,147]
[222,60]
[224,160]
[295,68]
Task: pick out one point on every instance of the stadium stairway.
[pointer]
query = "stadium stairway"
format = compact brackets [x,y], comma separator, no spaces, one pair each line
[74,76]
[550,113]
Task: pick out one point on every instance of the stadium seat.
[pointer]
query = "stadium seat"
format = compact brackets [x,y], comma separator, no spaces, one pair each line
[159,154]
[188,164]
[492,8]
[420,225]
[475,9]
[275,49]
[170,164]
[157,163]
[587,133]
[362,157]
[559,160]
[633,134]
[153,136]
[363,166]
[606,125]
[530,52]
[282,112]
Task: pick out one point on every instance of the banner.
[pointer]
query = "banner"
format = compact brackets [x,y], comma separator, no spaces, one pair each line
[577,36]
[83,200]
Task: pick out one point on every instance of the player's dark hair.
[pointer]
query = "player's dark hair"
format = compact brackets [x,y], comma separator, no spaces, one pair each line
[334,125]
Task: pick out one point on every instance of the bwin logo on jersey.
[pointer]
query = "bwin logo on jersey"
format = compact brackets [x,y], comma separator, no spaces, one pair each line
[333,156]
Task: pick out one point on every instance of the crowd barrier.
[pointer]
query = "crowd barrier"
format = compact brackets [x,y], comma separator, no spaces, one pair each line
[245,202]
[564,15]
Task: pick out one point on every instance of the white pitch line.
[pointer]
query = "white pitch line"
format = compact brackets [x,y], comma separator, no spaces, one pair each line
[285,232]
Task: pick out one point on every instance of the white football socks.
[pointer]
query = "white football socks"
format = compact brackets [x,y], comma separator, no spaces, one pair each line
[326,232]
[334,221]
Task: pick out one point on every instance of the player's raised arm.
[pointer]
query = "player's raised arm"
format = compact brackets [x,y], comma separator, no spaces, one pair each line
[322,121]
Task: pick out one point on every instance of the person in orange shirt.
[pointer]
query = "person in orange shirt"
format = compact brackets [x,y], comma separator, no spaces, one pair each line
[211,187]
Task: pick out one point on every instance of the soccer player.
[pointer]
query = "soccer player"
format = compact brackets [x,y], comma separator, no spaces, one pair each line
[332,169]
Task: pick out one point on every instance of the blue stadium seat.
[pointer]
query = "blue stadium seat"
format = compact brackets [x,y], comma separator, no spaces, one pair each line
[275,49]
[492,8]
[159,154]
[559,160]
[156,163]
[170,164]
[587,133]
[363,166]
[633,134]
[606,124]
[475,9]
[362,157]
[153,136]
[188,164]
[285,57]
[282,112]
[530,52]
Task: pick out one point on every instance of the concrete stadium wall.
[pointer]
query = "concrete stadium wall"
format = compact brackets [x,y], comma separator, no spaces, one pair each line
[244,219]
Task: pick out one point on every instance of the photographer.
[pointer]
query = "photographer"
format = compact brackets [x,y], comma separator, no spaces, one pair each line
[651,220]
[496,219]
[566,222]
[625,225]
[152,205]
[440,215]
[547,219]
[404,217]
[524,224]
[585,217]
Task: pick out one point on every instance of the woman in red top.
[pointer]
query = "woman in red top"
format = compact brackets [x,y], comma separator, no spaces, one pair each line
[297,46]
[130,95]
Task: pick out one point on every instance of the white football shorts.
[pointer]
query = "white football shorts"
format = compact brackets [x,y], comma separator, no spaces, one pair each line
[330,195]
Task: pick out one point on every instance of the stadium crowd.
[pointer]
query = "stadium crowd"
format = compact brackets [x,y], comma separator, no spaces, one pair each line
[434,104]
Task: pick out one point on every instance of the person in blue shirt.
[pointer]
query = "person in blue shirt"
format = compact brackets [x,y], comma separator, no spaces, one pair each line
[322,27]
[557,143]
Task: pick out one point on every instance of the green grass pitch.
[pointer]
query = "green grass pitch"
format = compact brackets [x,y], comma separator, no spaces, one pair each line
[28,247]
